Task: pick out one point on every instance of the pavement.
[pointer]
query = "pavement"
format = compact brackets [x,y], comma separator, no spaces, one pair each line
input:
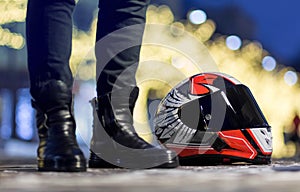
[18,173]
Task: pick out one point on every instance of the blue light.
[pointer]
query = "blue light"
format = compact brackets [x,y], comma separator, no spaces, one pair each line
[233,42]
[269,63]
[24,115]
[6,114]
[197,17]
[291,78]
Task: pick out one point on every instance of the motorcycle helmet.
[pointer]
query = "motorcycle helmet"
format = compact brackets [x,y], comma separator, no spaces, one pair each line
[212,118]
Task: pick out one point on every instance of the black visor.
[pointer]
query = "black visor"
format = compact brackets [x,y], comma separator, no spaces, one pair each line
[234,108]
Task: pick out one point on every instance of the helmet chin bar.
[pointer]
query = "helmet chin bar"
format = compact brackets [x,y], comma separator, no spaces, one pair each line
[225,147]
[186,121]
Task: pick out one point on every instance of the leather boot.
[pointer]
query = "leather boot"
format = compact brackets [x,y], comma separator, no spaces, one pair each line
[101,143]
[122,147]
[42,131]
[58,149]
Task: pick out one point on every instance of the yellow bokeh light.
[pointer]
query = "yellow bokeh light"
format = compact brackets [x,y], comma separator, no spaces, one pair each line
[159,15]
[9,39]
[12,11]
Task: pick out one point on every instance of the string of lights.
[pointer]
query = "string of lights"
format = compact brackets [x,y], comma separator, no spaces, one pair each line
[12,11]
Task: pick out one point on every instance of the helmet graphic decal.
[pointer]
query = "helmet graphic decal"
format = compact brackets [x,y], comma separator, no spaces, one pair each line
[169,120]
[197,87]
[263,138]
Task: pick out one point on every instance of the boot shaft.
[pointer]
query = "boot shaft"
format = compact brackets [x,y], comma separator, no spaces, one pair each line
[52,95]
[115,110]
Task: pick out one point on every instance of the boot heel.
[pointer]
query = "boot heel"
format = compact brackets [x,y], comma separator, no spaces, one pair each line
[97,162]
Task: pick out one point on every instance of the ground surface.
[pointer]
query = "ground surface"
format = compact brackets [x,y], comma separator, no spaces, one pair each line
[21,175]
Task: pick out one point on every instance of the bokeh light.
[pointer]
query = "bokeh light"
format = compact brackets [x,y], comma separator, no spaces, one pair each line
[6,101]
[24,115]
[291,78]
[197,17]
[12,12]
[233,42]
[269,63]
[177,29]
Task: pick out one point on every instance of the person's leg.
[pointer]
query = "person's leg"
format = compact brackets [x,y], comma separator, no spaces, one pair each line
[49,37]
[120,30]
[119,36]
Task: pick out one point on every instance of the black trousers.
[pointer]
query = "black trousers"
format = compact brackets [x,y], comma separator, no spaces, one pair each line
[118,41]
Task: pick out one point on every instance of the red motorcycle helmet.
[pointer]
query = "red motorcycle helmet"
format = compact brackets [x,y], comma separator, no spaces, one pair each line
[212,118]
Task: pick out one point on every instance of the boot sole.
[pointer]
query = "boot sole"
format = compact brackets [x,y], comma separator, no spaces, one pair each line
[171,164]
[101,164]
[59,165]
[128,162]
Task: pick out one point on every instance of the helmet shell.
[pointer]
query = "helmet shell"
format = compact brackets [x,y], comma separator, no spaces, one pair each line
[212,118]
